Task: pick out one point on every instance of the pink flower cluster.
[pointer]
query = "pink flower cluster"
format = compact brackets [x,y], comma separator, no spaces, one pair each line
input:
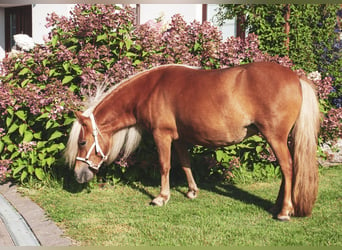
[57,97]
[324,87]
[27,146]
[4,169]
[233,164]
[332,124]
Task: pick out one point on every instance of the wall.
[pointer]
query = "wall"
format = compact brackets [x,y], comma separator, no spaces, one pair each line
[2,32]
[39,14]
[189,12]
[228,28]
[153,11]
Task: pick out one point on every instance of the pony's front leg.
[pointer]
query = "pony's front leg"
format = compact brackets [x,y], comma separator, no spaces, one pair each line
[163,143]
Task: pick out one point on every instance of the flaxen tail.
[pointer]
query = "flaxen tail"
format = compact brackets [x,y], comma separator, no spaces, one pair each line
[305,131]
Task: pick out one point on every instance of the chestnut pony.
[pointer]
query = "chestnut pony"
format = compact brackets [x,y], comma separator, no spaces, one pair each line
[181,105]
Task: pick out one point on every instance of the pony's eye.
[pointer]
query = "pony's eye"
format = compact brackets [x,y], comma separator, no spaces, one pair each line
[82,143]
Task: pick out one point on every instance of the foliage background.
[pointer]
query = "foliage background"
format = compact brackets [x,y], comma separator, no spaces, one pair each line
[101,43]
[314,35]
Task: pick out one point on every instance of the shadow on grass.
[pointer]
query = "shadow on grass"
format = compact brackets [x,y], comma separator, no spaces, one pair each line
[227,190]
[66,177]
[239,194]
[177,181]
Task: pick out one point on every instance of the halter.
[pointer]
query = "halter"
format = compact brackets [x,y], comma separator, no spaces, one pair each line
[95,145]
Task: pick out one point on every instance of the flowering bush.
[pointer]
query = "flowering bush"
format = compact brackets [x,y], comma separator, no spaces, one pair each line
[100,43]
[34,118]
[331,127]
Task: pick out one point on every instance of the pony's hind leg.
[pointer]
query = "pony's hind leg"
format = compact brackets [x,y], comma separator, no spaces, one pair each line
[184,159]
[163,143]
[282,152]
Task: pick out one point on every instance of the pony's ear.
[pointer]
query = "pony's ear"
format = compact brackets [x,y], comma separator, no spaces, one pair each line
[80,117]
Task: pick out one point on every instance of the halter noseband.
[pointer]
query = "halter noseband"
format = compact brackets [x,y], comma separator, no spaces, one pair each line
[95,145]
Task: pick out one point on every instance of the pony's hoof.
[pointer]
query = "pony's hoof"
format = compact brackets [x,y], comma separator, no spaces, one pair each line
[283,217]
[159,202]
[192,194]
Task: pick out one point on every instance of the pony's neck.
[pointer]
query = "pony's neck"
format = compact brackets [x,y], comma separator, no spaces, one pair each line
[115,111]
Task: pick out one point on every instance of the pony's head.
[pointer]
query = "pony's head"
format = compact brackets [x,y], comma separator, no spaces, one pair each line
[89,146]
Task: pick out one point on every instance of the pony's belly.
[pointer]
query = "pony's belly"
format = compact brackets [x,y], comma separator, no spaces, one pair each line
[214,137]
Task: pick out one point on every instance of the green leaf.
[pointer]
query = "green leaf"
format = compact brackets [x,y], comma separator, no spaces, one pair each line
[256,138]
[15,154]
[66,66]
[50,161]
[24,71]
[51,124]
[136,62]
[45,61]
[13,128]
[41,144]
[54,40]
[38,135]
[42,116]
[73,87]
[67,79]
[9,120]
[130,54]
[9,76]
[6,139]
[30,169]
[24,83]
[55,135]
[73,40]
[18,169]
[52,72]
[41,156]
[39,173]
[61,146]
[52,148]
[23,176]
[101,37]
[259,149]
[2,145]
[77,69]
[28,136]
[21,114]
[221,156]
[68,120]
[197,46]
[22,128]
[128,43]
[10,111]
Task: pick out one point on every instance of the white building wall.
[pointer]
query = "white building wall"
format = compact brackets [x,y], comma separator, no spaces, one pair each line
[228,28]
[2,32]
[39,15]
[190,12]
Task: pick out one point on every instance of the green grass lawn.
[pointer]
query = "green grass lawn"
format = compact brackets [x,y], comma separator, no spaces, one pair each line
[222,215]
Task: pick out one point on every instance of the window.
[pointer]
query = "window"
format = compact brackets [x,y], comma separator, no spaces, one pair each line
[18,20]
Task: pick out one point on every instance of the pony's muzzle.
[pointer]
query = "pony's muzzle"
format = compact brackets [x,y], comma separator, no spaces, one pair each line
[84,174]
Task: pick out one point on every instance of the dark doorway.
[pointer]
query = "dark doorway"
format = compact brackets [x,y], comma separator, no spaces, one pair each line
[18,20]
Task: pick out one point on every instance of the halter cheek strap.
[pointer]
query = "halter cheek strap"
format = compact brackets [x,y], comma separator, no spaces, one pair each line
[95,145]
